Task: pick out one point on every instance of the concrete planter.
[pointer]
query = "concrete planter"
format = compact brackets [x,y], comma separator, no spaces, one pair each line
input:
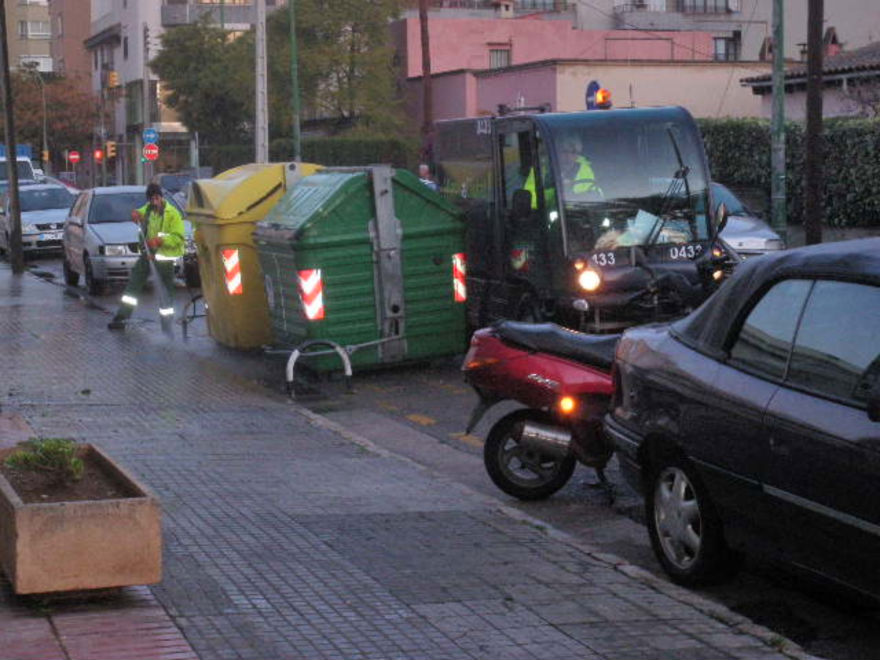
[71,546]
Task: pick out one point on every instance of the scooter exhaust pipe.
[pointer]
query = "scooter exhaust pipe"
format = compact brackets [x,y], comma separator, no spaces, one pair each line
[545,439]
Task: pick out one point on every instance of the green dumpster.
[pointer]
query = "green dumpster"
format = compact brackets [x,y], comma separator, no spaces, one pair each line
[370,259]
[223,211]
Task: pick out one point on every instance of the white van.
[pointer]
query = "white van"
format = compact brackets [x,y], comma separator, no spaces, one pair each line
[25,172]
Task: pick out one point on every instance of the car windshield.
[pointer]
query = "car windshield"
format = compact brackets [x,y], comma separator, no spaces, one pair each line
[722,195]
[116,207]
[622,183]
[24,168]
[45,198]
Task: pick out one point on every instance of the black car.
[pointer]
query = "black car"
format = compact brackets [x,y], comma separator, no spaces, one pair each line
[754,423]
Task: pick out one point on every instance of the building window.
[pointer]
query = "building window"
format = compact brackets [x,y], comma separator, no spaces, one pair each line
[727,48]
[34,29]
[125,48]
[706,6]
[59,25]
[499,58]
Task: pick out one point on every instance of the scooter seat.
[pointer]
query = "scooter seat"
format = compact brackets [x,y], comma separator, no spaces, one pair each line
[592,350]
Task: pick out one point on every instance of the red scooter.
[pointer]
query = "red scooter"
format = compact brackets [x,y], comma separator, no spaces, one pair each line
[564,377]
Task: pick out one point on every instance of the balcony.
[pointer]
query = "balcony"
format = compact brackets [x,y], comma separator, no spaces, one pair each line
[183,12]
[520,6]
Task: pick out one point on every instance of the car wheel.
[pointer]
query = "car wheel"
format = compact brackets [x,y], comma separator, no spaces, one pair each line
[93,286]
[523,474]
[686,532]
[191,274]
[71,277]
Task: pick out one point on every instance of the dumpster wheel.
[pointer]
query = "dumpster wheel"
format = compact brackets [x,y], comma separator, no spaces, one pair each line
[300,350]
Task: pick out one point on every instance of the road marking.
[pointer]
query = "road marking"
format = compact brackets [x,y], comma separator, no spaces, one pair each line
[388,406]
[468,439]
[424,420]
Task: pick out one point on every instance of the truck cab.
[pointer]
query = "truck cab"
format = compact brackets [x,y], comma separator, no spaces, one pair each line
[571,216]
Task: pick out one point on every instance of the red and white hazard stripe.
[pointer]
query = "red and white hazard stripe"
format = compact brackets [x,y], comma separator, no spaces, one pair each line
[232,271]
[459,276]
[311,289]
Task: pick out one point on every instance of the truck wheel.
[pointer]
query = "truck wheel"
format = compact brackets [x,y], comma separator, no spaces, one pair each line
[528,310]
[523,474]
[686,532]
[71,277]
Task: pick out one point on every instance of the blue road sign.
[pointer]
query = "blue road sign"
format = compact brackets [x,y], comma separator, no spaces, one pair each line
[151,136]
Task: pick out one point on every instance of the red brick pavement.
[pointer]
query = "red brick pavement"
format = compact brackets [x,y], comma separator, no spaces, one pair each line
[130,625]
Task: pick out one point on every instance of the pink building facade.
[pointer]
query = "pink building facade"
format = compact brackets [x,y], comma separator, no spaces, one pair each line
[458,43]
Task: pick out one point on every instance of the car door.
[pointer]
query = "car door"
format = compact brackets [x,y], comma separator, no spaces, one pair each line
[824,470]
[74,232]
[733,448]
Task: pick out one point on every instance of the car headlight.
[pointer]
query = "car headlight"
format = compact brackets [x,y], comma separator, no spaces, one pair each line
[29,229]
[115,250]
[589,279]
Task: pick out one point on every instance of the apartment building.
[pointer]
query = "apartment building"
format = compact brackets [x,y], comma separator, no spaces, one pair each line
[27,26]
[70,25]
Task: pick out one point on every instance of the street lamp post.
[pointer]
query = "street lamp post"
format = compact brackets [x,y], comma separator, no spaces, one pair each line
[47,163]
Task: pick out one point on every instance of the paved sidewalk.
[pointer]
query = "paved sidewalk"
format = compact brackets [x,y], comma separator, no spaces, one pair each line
[286,537]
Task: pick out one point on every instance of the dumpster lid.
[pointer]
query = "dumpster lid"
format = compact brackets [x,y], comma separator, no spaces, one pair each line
[237,191]
[309,196]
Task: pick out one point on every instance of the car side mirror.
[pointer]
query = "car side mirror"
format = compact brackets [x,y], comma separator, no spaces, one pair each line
[874,408]
[720,219]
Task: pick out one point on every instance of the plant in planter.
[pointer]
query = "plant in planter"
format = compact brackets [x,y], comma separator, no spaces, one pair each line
[71,518]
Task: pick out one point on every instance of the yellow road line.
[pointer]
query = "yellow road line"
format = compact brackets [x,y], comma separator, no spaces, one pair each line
[424,420]
[468,439]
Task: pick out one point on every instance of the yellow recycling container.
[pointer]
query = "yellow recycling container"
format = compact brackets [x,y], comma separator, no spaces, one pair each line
[224,211]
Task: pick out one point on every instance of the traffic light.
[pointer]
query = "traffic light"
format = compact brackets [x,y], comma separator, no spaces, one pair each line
[603,98]
[112,79]
[99,155]
[111,149]
[45,156]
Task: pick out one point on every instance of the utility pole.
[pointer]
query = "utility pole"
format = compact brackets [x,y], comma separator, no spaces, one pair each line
[777,160]
[261,123]
[16,254]
[294,84]
[145,105]
[427,89]
[814,200]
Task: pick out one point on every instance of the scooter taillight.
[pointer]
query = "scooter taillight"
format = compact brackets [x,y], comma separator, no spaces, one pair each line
[480,363]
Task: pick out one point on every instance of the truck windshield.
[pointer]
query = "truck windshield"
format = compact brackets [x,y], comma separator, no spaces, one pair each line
[622,184]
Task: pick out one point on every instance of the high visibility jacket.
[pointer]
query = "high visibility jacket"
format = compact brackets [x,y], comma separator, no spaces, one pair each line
[549,193]
[168,226]
[584,179]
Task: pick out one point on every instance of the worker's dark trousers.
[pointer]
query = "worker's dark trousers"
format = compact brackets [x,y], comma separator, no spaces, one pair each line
[136,283]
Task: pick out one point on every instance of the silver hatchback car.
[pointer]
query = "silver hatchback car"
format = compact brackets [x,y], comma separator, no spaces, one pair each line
[100,241]
[43,209]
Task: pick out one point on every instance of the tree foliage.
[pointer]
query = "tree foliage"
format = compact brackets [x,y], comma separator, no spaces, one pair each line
[345,70]
[71,113]
[197,67]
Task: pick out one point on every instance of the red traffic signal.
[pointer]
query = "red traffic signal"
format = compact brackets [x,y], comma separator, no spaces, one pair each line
[99,155]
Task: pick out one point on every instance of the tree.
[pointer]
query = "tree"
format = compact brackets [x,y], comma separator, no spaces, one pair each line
[71,113]
[198,68]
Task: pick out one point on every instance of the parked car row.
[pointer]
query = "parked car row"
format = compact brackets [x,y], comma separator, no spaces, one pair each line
[92,230]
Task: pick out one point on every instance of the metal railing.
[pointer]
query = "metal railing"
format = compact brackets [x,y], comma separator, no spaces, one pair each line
[518,5]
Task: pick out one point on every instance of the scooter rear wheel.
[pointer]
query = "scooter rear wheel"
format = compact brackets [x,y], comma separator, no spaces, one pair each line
[523,474]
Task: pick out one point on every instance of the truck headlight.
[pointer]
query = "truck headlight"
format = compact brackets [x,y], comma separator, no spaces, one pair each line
[589,279]
[115,250]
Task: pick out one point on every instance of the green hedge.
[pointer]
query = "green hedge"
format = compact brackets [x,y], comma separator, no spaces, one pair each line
[739,155]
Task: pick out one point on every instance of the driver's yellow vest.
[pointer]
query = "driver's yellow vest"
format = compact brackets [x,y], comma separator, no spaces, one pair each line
[584,182]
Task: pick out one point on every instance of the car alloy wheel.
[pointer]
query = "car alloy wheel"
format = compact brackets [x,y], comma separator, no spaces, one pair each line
[686,532]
